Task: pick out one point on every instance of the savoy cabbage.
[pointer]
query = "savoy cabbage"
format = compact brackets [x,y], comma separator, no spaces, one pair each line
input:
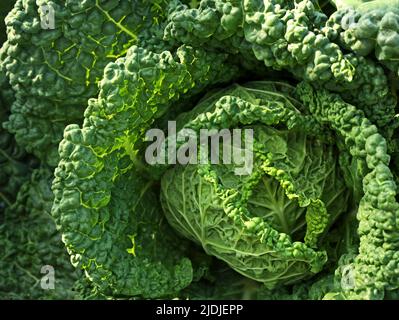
[315,82]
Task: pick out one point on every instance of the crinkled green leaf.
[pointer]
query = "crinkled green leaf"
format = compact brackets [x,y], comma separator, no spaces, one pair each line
[112,227]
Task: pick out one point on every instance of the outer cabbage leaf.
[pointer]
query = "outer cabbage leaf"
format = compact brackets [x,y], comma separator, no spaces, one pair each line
[112,228]
[375,268]
[29,241]
[287,35]
[15,163]
[372,28]
[55,71]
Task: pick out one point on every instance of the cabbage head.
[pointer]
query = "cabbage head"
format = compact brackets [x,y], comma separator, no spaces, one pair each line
[268,223]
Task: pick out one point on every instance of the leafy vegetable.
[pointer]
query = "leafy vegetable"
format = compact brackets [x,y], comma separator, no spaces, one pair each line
[314,215]
[108,238]
[15,163]
[55,71]
[255,222]
[30,242]
[369,28]
[287,35]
